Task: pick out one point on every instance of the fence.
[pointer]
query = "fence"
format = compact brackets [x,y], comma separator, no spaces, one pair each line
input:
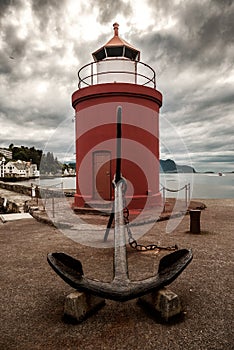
[51,192]
[187,193]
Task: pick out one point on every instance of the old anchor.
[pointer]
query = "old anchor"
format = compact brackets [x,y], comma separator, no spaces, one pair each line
[121,288]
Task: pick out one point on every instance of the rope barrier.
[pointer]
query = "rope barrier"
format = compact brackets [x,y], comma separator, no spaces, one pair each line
[170,190]
[185,187]
[51,186]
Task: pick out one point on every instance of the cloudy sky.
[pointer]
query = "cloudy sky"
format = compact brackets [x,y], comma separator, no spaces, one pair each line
[189,43]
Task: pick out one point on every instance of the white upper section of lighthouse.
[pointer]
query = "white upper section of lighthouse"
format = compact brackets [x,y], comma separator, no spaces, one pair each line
[116,62]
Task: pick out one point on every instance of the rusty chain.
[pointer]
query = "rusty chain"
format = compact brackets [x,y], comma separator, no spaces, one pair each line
[131,240]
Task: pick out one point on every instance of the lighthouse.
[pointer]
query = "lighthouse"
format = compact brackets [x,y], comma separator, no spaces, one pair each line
[116,77]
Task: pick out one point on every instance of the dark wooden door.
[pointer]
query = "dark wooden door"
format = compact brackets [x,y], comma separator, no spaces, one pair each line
[101,175]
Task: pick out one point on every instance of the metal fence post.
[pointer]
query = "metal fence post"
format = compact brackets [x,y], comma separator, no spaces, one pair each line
[189,194]
[53,206]
[164,199]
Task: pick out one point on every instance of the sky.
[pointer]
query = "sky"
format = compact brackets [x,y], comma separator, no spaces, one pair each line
[189,43]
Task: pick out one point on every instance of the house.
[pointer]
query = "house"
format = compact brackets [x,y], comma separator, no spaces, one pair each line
[15,169]
[32,170]
[21,169]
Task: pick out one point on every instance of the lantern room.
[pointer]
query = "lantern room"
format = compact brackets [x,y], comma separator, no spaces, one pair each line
[116,56]
[117,77]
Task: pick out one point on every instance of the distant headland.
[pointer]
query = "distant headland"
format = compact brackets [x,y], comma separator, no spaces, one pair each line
[169,166]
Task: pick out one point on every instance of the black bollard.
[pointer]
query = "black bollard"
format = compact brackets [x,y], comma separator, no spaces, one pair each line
[195,221]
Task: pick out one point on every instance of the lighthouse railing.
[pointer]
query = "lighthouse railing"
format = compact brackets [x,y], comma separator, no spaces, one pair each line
[142,74]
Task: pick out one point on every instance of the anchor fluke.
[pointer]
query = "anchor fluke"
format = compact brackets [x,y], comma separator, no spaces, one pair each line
[65,266]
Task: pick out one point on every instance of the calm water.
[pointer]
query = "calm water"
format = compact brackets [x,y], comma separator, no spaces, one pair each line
[202,185]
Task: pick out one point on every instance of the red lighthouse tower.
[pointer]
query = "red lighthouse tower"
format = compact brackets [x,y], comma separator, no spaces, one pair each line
[115,78]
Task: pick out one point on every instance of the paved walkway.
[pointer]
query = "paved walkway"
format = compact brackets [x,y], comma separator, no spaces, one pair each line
[32,295]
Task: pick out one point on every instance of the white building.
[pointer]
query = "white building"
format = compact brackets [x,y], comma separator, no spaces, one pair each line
[21,169]
[33,172]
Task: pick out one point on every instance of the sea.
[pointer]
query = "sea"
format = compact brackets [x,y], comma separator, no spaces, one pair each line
[199,185]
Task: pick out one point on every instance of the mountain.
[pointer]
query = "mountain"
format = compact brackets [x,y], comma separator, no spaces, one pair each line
[169,166]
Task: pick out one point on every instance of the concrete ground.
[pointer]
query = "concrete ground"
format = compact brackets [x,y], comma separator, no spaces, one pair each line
[32,295]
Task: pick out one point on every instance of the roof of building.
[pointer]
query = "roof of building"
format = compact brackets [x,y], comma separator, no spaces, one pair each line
[18,165]
[116,47]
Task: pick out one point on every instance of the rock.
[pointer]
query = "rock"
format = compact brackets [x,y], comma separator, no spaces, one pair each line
[165,302]
[78,305]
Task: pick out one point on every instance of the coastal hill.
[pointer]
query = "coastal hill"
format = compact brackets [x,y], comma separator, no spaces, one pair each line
[47,163]
[169,166]
[166,166]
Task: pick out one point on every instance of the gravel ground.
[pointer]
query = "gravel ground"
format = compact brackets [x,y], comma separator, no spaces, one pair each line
[32,295]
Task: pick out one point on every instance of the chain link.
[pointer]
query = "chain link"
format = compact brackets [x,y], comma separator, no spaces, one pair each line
[131,240]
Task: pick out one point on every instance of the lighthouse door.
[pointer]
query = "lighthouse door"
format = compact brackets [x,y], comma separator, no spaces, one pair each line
[101,175]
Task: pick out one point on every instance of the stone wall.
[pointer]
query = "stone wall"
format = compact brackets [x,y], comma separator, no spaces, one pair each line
[40,192]
[26,190]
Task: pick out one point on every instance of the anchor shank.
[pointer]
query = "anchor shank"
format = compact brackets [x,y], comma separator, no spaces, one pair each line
[118,144]
[120,255]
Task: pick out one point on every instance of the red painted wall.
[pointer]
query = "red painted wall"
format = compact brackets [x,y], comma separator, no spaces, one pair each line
[96,131]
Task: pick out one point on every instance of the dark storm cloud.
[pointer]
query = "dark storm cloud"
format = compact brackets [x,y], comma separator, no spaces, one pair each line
[16,47]
[5,64]
[192,59]
[188,43]
[45,10]
[6,5]
[109,10]
[219,159]
[211,105]
[213,143]
[201,36]
[221,98]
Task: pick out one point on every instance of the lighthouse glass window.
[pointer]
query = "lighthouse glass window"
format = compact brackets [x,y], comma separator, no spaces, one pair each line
[115,51]
[100,55]
[131,54]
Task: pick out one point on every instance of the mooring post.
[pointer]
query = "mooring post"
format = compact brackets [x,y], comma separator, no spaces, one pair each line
[195,215]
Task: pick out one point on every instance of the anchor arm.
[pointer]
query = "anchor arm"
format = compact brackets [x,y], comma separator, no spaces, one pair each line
[119,290]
